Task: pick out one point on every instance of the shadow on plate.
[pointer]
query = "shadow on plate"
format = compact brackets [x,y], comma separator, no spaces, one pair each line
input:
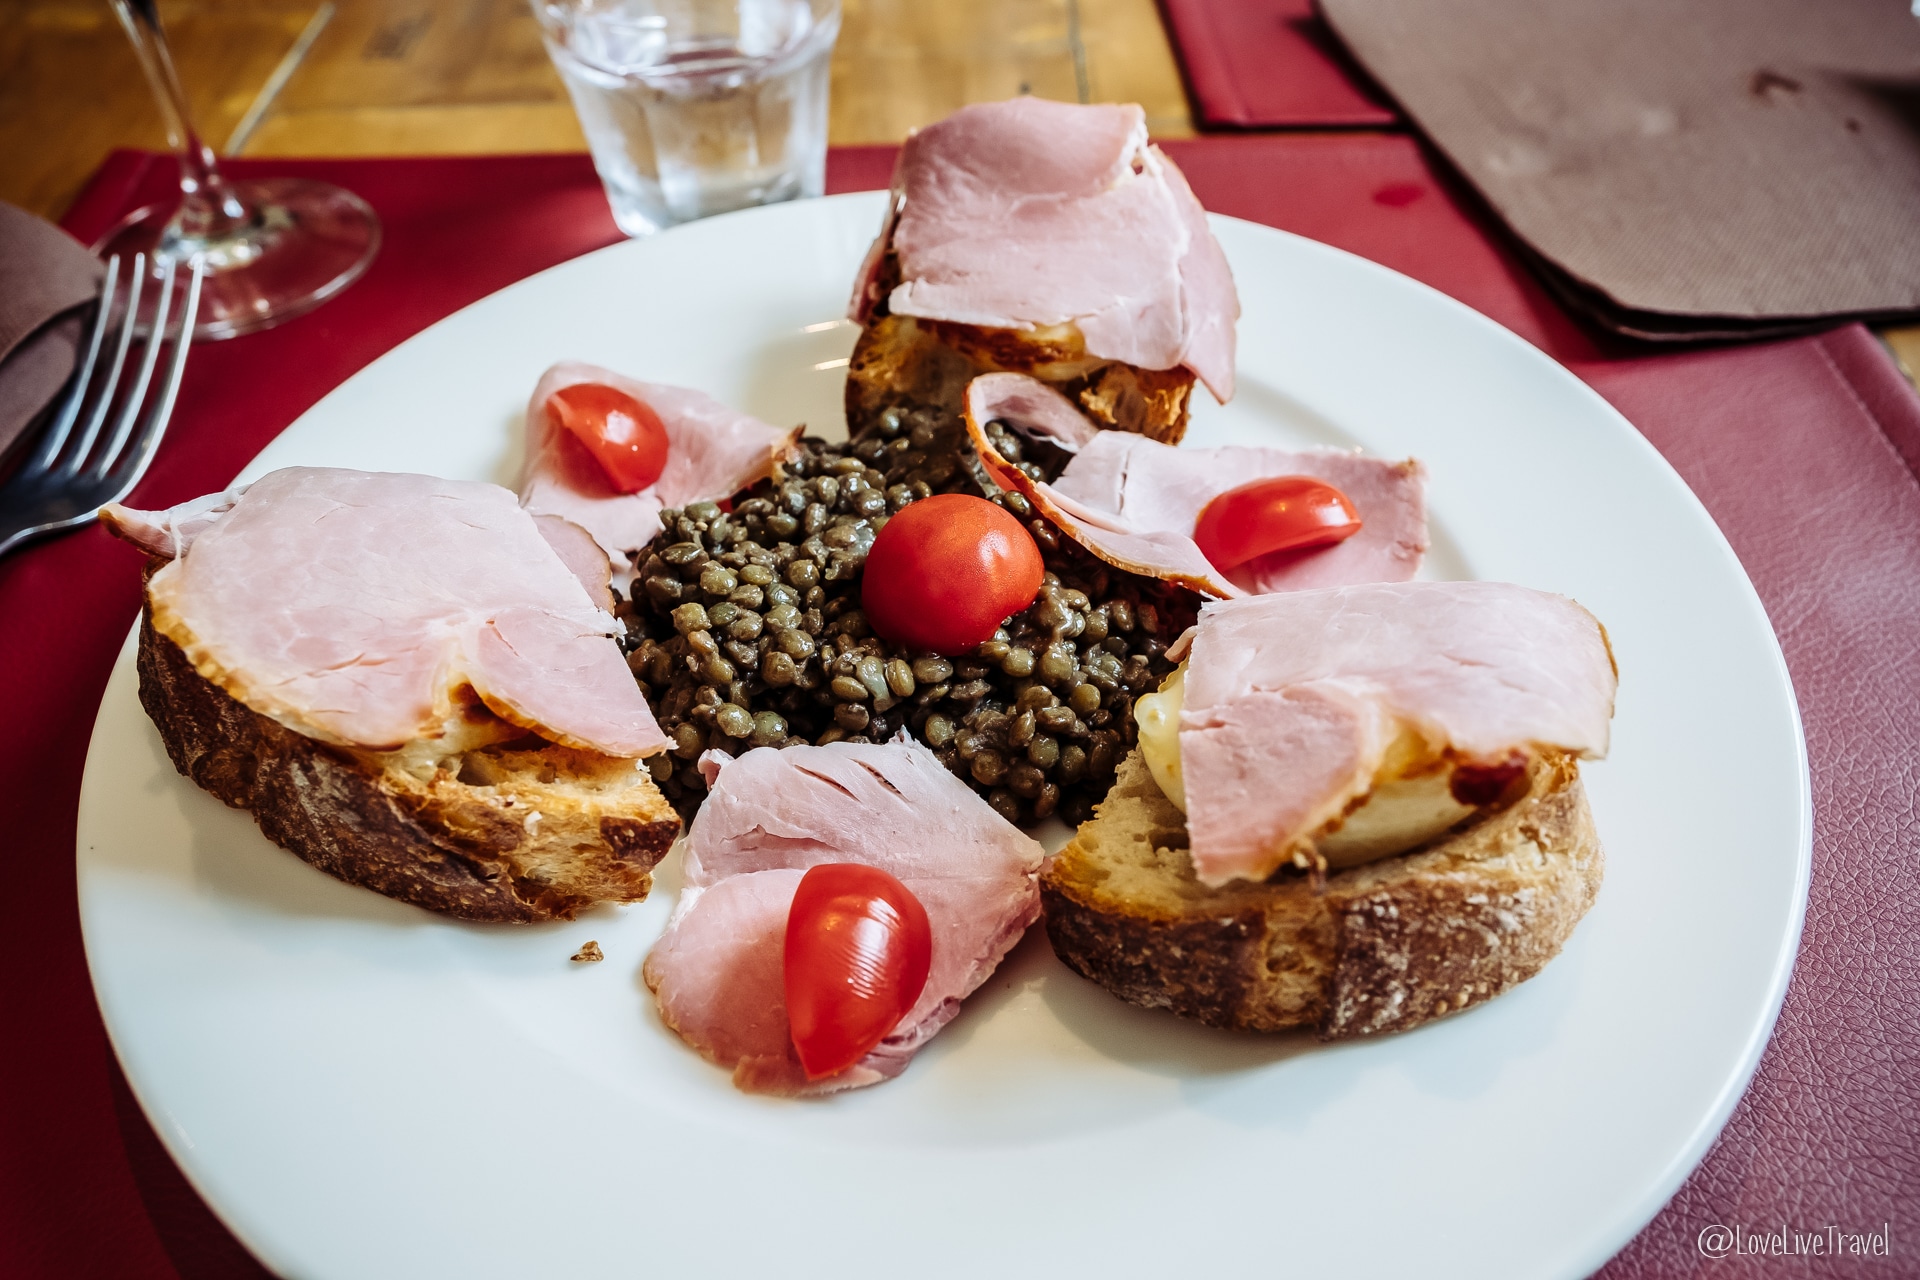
[1257,412]
[1446,561]
[505,471]
[1153,1040]
[234,863]
[1458,1058]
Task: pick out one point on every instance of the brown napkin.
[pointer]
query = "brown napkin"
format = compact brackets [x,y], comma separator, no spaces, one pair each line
[46,277]
[1708,168]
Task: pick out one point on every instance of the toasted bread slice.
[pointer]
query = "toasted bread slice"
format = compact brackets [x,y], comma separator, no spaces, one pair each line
[908,364]
[1382,947]
[498,834]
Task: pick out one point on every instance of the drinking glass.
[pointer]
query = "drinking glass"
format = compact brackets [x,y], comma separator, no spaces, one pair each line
[696,107]
[272,247]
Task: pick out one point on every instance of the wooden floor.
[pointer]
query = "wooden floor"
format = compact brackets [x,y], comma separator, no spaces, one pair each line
[396,77]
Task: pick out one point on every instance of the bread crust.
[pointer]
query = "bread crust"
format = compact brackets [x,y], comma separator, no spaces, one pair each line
[907,363]
[1382,947]
[462,845]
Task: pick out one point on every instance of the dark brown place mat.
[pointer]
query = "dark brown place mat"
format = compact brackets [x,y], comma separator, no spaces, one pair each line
[45,276]
[1718,168]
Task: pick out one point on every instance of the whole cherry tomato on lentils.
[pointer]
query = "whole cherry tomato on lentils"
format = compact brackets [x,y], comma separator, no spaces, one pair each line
[946,571]
[1279,513]
[857,953]
[625,436]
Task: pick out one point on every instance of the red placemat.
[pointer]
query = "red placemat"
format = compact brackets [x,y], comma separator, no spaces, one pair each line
[1805,451]
[1269,64]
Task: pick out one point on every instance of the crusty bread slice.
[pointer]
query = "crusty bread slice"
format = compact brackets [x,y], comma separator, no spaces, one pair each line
[1382,947]
[496,834]
[904,363]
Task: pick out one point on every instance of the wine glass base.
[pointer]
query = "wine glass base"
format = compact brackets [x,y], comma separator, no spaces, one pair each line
[304,242]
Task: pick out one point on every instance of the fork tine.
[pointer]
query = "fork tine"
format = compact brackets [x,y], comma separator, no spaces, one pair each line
[73,458]
[137,397]
[127,471]
[62,425]
[37,504]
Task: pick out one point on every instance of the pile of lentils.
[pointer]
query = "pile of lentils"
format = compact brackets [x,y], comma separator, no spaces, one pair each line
[745,629]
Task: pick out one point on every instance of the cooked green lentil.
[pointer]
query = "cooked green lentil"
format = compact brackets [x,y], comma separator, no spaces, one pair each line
[746,630]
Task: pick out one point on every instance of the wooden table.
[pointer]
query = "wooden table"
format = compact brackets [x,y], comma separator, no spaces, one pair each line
[400,77]
[440,77]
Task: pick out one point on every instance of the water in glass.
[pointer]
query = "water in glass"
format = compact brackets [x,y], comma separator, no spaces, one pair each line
[697,107]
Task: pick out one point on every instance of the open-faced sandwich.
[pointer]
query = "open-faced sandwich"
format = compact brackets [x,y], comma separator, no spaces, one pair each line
[410,683]
[1047,239]
[1352,809]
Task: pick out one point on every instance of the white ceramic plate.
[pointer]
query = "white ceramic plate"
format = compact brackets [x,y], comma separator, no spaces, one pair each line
[365,1090]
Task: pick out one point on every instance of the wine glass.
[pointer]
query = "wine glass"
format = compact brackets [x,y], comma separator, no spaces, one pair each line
[272,248]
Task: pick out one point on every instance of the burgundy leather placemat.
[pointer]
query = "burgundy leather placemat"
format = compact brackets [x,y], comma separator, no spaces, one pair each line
[1269,64]
[1806,451]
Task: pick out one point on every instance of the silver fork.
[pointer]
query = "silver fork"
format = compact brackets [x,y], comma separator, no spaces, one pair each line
[72,473]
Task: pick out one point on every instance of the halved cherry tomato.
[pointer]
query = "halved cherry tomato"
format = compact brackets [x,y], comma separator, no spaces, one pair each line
[625,437]
[948,570]
[857,954]
[1280,513]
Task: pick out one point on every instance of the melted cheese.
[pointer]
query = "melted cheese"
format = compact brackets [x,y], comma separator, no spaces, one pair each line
[1158,715]
[1409,803]
[1397,815]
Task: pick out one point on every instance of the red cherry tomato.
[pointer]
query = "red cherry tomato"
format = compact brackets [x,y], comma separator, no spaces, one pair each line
[1280,513]
[625,437]
[857,954]
[948,570]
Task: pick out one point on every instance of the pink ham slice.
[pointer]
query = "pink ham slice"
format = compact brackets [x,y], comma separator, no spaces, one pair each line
[1033,408]
[769,815]
[1292,698]
[1134,502]
[1011,215]
[354,606]
[169,533]
[582,555]
[713,452]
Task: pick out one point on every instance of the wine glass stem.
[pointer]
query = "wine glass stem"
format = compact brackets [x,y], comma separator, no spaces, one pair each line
[209,209]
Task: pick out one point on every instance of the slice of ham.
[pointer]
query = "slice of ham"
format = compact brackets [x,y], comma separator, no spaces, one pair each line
[713,452]
[1133,501]
[1292,699]
[1033,408]
[169,533]
[358,607]
[769,815]
[584,557]
[1025,213]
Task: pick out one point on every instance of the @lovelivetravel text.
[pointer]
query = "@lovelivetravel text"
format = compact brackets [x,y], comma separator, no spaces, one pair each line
[1830,1241]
